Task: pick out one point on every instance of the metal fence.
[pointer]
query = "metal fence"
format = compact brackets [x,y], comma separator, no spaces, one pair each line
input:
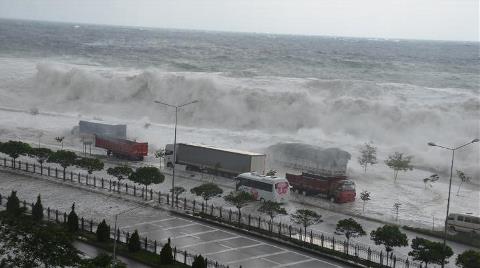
[355,252]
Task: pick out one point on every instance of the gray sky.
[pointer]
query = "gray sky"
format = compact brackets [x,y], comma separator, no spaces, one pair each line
[411,19]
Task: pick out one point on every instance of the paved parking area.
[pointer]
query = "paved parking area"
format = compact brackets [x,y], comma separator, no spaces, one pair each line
[226,247]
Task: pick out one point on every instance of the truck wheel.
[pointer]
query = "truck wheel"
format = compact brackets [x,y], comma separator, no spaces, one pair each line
[451,228]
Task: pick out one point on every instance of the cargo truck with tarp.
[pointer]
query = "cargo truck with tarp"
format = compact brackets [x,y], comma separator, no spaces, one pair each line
[219,161]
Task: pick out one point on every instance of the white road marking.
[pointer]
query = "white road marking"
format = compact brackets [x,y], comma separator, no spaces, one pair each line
[211,241]
[257,257]
[149,222]
[181,226]
[230,249]
[293,263]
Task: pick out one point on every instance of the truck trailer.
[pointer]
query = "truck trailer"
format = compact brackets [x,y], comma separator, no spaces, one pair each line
[338,189]
[219,161]
[122,148]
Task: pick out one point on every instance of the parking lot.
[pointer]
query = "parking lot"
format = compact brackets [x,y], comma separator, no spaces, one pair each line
[226,247]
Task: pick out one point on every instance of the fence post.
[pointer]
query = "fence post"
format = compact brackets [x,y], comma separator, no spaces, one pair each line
[176,200]
[86,179]
[394,261]
[369,254]
[71,175]
[151,194]
[193,209]
[48,213]
[78,177]
[159,197]
[230,215]
[155,246]
[26,167]
[91,226]
[56,173]
[168,198]
[290,231]
[259,222]
[48,171]
[184,203]
[202,207]
[175,253]
[0,199]
[95,181]
[407,263]
[119,184]
[83,224]
[64,217]
[249,220]
[311,237]
[110,185]
[118,235]
[134,190]
[56,215]
[279,229]
[185,257]
[146,241]
[333,243]
[143,190]
[102,182]
[221,212]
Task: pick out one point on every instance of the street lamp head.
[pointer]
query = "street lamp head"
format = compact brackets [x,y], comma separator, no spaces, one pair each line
[476,140]
[432,144]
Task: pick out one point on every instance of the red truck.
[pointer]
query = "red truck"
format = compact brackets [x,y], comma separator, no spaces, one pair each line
[336,188]
[122,148]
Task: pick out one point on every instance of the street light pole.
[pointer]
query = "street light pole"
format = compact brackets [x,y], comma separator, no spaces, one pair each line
[449,190]
[115,230]
[175,140]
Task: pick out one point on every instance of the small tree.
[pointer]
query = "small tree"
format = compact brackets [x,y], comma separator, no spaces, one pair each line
[239,199]
[72,220]
[464,179]
[399,162]
[134,242]
[199,262]
[207,191]
[147,176]
[15,149]
[427,251]
[389,236]
[396,208]
[63,158]
[160,154]
[60,140]
[177,190]
[13,204]
[103,260]
[103,232]
[90,164]
[350,228]
[37,210]
[120,172]
[166,256]
[305,218]
[271,172]
[41,154]
[365,196]
[468,259]
[272,209]
[368,155]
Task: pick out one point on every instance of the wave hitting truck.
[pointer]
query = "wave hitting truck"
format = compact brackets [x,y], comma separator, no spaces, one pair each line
[223,162]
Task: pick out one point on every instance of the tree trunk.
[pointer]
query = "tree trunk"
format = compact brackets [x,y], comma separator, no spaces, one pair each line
[363,209]
[305,234]
[458,191]
[365,168]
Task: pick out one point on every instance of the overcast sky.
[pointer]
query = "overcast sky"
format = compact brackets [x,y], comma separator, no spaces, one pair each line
[411,19]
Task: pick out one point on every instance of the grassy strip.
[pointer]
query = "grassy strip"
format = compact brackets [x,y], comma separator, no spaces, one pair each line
[470,239]
[142,256]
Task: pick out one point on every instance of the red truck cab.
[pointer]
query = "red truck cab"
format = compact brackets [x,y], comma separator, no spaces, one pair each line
[336,188]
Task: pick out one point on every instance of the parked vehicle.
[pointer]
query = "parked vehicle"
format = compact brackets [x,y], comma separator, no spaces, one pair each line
[463,223]
[122,148]
[219,161]
[264,188]
[336,188]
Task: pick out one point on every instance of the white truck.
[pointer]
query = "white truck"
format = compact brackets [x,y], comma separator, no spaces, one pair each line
[218,161]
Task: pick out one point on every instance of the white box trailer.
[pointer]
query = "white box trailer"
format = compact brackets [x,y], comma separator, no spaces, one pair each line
[220,161]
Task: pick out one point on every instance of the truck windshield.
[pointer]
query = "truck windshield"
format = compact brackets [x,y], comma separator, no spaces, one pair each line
[347,186]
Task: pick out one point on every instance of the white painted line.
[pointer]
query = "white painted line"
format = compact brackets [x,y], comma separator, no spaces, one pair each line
[194,234]
[149,222]
[212,241]
[256,257]
[230,249]
[181,226]
[293,263]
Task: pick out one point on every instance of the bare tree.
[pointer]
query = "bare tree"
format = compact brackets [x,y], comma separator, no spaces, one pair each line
[365,196]
[368,155]
[396,208]
[462,177]
[399,162]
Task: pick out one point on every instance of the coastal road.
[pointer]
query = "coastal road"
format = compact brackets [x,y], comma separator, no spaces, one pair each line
[216,243]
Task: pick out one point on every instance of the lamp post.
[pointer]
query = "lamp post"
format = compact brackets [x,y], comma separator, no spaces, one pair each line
[115,230]
[449,190]
[175,139]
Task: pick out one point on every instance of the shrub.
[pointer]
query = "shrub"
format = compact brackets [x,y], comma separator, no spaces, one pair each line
[37,210]
[72,220]
[199,262]
[134,242]
[13,204]
[166,256]
[103,232]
